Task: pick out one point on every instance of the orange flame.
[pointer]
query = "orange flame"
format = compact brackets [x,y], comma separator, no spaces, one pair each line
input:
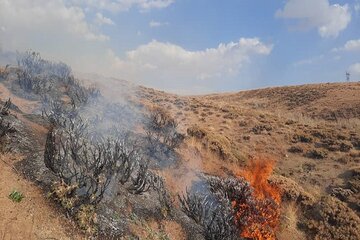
[267,210]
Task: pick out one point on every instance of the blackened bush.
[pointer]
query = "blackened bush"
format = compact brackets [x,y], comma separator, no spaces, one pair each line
[38,75]
[5,108]
[30,83]
[216,216]
[141,182]
[57,113]
[32,63]
[195,206]
[78,163]
[162,128]
[90,166]
[81,95]
[164,197]
[6,127]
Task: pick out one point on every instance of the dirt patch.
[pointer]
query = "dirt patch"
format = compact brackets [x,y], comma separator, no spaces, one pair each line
[24,105]
[33,217]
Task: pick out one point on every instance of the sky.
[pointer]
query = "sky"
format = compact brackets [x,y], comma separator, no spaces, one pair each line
[191,46]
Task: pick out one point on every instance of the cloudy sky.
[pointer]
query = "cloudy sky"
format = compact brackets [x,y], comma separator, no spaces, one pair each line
[192,46]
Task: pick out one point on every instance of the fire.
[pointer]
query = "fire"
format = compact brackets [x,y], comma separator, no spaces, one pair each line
[262,218]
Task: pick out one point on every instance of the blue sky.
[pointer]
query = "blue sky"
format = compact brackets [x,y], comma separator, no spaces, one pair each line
[195,46]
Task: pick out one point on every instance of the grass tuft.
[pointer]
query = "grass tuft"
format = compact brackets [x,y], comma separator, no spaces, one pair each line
[16,196]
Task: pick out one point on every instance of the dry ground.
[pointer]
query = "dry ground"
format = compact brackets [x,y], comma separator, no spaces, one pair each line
[34,217]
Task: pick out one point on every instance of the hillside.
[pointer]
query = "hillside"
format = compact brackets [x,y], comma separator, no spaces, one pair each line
[324,117]
[312,132]
[305,140]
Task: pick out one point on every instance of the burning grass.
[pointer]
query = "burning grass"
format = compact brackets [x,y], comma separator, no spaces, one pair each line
[265,221]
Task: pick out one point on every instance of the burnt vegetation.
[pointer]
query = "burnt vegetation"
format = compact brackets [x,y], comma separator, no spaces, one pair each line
[90,166]
[91,149]
[6,126]
[161,130]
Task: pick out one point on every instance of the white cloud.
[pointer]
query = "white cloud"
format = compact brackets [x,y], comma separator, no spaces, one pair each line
[101,20]
[149,4]
[44,17]
[123,5]
[154,24]
[351,45]
[159,64]
[328,19]
[354,70]
[58,31]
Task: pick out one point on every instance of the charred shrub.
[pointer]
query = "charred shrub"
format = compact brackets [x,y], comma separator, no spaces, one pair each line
[4,72]
[6,127]
[40,76]
[5,108]
[216,211]
[79,165]
[87,167]
[33,64]
[161,129]
[81,95]
[30,83]
[215,217]
[57,113]
[164,197]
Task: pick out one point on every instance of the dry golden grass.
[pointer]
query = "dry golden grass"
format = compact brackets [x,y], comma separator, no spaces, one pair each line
[289,223]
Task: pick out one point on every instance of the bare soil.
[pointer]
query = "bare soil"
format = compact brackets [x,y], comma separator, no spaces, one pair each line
[32,218]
